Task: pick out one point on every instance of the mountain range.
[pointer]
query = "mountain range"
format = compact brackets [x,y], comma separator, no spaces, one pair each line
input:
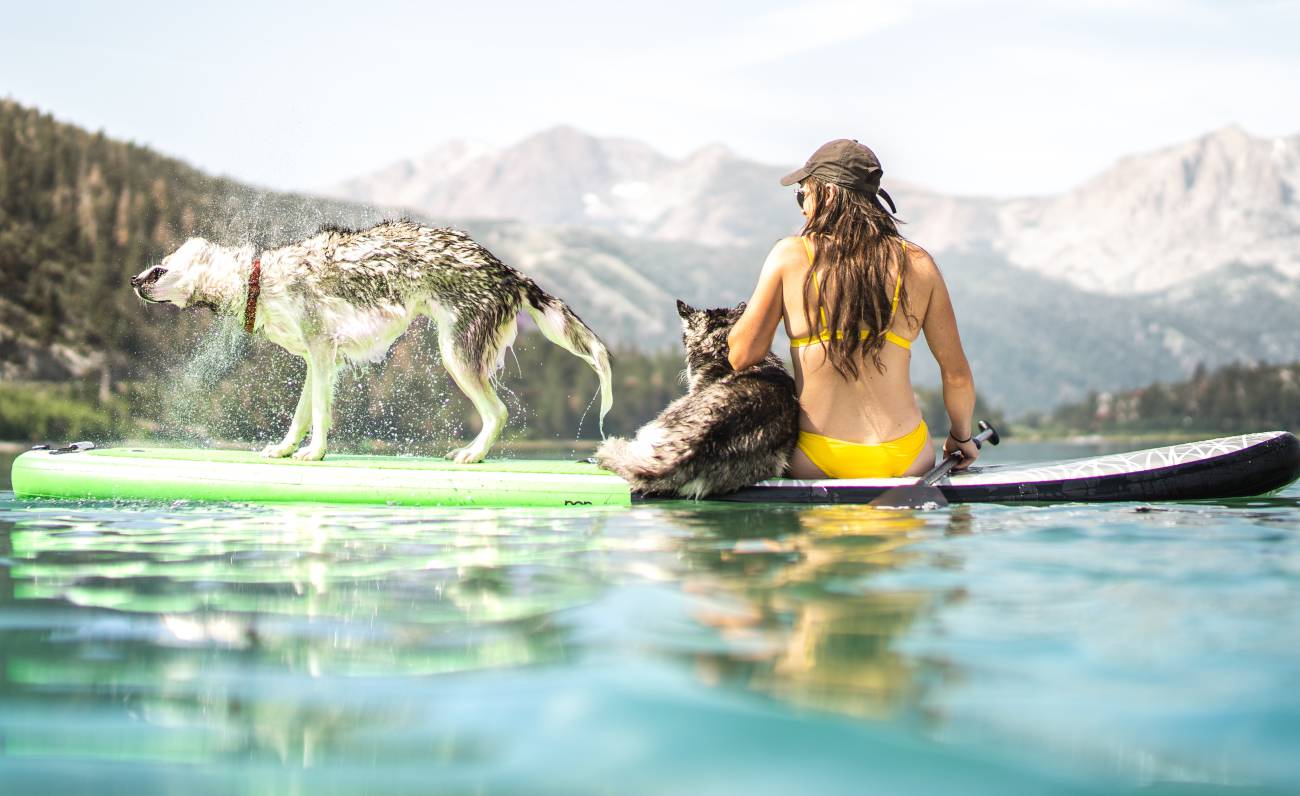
[1185,255]
[1150,222]
[619,231]
[563,176]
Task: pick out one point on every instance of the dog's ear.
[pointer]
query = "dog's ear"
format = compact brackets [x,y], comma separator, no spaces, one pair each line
[741,306]
[684,309]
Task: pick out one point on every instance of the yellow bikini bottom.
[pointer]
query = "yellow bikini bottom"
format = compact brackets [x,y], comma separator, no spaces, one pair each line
[840,459]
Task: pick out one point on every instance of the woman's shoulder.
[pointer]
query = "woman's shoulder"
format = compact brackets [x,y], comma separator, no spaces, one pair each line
[920,265]
[793,244]
[792,252]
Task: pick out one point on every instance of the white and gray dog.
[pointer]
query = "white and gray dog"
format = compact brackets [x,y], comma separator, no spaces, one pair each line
[348,295]
[731,429]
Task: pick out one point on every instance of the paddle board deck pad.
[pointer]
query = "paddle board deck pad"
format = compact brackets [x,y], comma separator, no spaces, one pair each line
[1228,467]
[1239,466]
[242,476]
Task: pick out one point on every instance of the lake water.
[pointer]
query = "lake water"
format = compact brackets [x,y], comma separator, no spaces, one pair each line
[667,648]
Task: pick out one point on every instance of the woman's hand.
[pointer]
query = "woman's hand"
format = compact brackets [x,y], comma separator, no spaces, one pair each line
[969,451]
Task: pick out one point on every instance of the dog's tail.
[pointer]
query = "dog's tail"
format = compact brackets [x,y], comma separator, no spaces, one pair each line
[564,328]
[639,461]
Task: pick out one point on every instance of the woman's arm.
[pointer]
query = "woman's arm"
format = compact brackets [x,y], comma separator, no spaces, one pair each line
[751,338]
[940,327]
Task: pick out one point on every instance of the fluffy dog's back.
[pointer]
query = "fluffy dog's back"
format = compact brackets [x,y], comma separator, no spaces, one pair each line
[732,429]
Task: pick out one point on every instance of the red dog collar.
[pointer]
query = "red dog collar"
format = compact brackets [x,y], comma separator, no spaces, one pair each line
[254,288]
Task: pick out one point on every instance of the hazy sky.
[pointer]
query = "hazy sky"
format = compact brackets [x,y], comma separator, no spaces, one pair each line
[994,97]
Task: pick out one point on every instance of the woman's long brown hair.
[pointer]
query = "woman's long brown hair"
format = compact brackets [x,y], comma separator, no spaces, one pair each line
[857,247]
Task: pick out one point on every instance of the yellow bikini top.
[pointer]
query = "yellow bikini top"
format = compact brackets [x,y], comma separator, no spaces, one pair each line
[825,335]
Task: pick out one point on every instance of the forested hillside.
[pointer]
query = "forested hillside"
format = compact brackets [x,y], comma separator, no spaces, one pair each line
[1232,399]
[80,213]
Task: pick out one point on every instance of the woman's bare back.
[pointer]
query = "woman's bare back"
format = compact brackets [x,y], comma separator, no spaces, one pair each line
[877,406]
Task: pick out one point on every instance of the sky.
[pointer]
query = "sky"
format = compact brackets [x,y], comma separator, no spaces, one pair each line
[999,97]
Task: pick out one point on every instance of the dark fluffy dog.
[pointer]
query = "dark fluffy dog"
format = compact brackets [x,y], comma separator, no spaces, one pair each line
[730,430]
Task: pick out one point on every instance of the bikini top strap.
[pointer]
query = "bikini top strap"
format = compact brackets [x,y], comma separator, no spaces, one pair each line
[893,305]
[898,287]
[817,287]
[807,247]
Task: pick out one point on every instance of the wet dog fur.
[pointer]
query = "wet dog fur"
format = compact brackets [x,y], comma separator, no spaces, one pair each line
[347,295]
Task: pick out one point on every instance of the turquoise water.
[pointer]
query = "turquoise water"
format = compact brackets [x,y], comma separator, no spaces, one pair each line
[667,648]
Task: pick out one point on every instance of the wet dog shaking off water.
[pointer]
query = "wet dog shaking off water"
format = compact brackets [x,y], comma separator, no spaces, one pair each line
[347,295]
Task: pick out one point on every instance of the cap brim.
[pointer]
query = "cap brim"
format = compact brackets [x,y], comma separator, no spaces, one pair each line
[795,176]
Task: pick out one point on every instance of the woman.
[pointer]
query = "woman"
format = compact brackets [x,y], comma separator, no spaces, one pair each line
[854,296]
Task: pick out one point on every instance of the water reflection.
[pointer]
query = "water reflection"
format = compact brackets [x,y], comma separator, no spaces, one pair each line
[803,619]
[218,631]
[236,632]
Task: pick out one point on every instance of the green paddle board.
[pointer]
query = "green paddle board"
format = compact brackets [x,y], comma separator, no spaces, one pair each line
[1226,467]
[243,476]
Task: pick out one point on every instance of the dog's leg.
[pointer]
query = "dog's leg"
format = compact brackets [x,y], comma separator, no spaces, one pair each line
[473,379]
[298,427]
[322,364]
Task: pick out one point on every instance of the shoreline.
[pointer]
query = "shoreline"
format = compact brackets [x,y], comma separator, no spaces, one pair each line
[11,447]
[1137,437]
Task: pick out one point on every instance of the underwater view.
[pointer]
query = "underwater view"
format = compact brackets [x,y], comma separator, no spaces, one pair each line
[664,648]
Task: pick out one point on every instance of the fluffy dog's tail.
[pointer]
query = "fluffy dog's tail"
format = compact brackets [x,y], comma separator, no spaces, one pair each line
[564,328]
[639,461]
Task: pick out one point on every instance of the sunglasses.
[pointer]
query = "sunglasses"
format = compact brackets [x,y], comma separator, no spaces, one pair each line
[798,197]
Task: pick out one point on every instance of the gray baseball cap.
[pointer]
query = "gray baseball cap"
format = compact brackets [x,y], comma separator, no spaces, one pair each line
[846,163]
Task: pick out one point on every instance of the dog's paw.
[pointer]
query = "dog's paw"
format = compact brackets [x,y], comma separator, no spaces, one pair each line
[466,455]
[277,451]
[311,453]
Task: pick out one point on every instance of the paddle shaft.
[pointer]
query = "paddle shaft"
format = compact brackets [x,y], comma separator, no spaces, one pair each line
[950,461]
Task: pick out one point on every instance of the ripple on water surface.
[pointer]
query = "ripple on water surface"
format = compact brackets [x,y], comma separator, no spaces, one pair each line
[664,648]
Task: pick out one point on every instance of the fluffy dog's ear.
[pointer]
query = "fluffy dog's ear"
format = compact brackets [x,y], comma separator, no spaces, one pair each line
[741,306]
[684,309]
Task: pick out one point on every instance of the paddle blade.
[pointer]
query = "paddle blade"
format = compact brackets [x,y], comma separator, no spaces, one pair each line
[915,496]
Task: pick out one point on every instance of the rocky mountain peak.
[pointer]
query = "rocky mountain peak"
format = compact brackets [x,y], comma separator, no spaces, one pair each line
[1159,218]
[1150,221]
[711,153]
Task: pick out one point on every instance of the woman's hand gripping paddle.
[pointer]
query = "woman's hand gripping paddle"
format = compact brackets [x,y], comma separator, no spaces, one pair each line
[924,493]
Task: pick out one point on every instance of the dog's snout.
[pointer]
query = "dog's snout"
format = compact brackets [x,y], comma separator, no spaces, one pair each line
[152,275]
